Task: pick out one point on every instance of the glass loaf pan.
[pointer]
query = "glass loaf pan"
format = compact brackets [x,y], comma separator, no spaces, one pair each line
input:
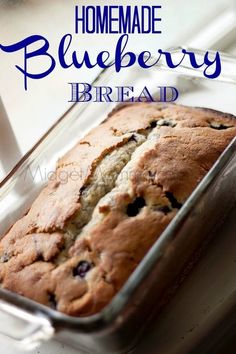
[116,328]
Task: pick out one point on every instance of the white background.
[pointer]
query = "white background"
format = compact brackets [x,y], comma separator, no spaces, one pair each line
[31,113]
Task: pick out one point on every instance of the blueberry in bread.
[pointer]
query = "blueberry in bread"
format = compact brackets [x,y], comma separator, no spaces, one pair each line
[85,234]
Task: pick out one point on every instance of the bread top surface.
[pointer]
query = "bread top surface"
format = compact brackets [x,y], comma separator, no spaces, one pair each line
[114,194]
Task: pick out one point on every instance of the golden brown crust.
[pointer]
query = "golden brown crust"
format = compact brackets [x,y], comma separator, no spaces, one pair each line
[181,144]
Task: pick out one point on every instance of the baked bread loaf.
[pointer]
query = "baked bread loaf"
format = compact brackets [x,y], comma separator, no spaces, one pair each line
[114,194]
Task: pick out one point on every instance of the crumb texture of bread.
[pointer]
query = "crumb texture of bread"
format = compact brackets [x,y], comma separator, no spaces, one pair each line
[122,185]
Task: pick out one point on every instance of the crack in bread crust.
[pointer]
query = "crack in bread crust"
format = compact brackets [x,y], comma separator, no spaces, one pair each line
[101,182]
[82,238]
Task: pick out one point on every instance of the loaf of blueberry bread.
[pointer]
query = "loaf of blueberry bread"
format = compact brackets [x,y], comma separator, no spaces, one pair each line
[125,181]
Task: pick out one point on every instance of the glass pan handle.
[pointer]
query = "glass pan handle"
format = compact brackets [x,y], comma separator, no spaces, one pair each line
[24,329]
